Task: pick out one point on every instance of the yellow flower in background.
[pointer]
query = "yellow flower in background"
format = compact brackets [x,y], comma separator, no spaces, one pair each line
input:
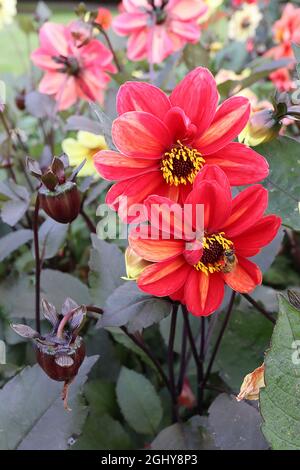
[212,6]
[84,147]
[8,9]
[244,22]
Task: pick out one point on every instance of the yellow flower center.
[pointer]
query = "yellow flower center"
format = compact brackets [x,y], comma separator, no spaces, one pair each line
[217,254]
[181,164]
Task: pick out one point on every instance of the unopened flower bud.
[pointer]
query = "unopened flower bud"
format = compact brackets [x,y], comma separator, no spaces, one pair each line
[135,265]
[20,100]
[62,204]
[262,127]
[58,194]
[61,352]
[252,384]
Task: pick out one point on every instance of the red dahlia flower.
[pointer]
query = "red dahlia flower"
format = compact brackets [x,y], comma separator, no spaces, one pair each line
[195,271]
[71,72]
[165,141]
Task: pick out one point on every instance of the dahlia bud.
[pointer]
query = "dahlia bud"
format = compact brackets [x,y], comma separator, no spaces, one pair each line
[262,127]
[61,352]
[20,100]
[59,195]
[134,264]
[252,384]
[187,398]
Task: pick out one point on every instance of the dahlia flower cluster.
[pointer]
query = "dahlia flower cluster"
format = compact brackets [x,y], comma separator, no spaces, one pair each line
[177,152]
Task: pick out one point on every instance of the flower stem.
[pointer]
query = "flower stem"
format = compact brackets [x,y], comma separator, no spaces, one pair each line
[171,362]
[37,264]
[201,367]
[194,353]
[219,339]
[183,360]
[259,308]
[148,353]
[110,46]
[90,224]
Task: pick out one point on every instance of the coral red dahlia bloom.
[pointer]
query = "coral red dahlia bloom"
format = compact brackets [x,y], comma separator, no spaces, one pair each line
[234,230]
[163,142]
[71,72]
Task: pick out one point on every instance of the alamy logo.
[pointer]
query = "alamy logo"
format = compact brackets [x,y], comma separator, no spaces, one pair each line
[296,353]
[2,352]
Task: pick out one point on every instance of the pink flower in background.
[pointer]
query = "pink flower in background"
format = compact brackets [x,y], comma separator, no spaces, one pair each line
[157,28]
[286,31]
[72,72]
[282,79]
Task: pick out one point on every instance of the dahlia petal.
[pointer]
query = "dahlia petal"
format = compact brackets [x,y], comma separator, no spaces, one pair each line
[137,45]
[214,201]
[178,296]
[43,60]
[168,217]
[245,277]
[165,278]
[203,293]
[188,31]
[136,191]
[155,250]
[241,164]
[140,135]
[198,96]
[159,44]
[177,123]
[229,121]
[140,96]
[67,95]
[186,10]
[127,23]
[54,39]
[114,166]
[96,54]
[212,172]
[250,242]
[52,82]
[132,6]
[248,208]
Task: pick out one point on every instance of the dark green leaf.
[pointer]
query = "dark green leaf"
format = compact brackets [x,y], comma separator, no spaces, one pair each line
[12,241]
[57,286]
[235,425]
[243,346]
[40,423]
[107,265]
[139,402]
[192,435]
[51,237]
[102,432]
[283,182]
[129,306]
[280,399]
